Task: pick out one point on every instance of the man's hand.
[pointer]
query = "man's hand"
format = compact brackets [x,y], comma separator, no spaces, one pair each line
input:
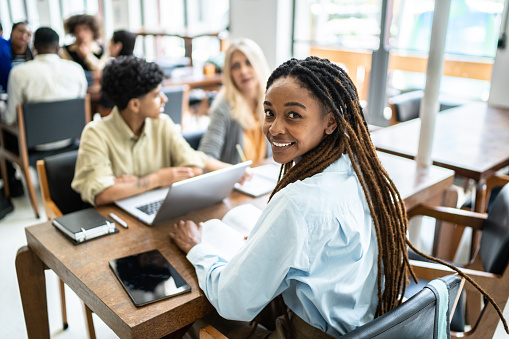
[169,175]
[186,235]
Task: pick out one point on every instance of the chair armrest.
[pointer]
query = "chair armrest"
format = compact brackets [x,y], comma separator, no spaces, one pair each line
[209,332]
[496,180]
[429,271]
[453,215]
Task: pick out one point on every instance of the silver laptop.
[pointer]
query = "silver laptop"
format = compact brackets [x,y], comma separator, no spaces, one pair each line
[166,203]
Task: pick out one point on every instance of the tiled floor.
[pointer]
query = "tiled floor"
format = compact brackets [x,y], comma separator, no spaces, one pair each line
[12,237]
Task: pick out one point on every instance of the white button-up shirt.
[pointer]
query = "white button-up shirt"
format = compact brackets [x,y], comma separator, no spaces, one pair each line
[46,78]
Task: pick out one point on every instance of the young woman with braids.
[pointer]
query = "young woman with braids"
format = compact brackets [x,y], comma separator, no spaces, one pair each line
[332,239]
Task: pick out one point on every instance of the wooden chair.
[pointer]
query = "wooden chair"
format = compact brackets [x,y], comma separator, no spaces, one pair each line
[178,102]
[58,198]
[40,123]
[416,318]
[488,267]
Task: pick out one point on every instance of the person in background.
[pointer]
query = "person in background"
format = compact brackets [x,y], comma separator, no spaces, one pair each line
[236,114]
[6,205]
[14,51]
[85,50]
[46,78]
[135,148]
[122,43]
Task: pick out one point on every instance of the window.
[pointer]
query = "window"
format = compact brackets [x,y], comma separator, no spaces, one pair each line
[347,31]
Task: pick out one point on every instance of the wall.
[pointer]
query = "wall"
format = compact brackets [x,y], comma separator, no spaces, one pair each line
[500,75]
[267,22]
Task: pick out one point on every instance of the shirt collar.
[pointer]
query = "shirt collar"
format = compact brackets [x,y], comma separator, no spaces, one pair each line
[116,119]
[47,56]
[343,164]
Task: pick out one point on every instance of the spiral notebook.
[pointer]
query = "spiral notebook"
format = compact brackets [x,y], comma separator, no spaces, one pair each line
[84,225]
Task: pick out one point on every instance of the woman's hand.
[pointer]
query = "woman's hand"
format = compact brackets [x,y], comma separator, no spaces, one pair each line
[186,235]
[83,50]
[247,176]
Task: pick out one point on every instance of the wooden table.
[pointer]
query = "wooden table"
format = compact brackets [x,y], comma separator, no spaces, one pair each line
[472,140]
[84,268]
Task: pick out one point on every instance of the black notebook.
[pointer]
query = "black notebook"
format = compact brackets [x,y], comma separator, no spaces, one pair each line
[148,277]
[84,225]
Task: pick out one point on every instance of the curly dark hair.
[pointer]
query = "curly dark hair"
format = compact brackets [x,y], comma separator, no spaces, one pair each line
[82,19]
[128,77]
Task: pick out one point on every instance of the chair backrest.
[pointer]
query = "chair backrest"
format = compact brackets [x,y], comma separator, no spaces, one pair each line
[194,138]
[59,174]
[416,318]
[494,246]
[405,106]
[53,121]
[178,101]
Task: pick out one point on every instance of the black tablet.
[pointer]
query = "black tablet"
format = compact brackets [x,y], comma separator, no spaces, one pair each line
[148,277]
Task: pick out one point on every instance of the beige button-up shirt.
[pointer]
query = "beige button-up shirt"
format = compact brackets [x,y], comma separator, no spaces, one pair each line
[109,148]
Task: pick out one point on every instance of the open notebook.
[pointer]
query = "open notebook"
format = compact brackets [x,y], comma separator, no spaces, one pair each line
[263,181]
[227,236]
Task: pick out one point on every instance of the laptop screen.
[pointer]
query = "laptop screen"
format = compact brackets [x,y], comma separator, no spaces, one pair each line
[185,196]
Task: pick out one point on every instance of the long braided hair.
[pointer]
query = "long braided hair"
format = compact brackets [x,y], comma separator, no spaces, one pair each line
[334,89]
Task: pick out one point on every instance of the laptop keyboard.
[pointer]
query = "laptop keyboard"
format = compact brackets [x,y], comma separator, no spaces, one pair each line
[151,208]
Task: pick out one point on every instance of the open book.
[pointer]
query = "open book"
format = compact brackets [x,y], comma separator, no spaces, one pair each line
[228,235]
[263,181]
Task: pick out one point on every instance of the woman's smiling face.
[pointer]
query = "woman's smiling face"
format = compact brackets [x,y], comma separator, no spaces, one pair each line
[295,121]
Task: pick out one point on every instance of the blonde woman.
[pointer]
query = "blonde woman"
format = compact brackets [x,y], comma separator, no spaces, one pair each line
[237,112]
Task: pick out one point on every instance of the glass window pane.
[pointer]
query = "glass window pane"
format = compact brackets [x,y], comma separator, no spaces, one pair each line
[345,23]
[205,16]
[472,36]
[472,29]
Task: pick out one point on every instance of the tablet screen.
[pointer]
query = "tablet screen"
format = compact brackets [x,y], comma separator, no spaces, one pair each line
[148,277]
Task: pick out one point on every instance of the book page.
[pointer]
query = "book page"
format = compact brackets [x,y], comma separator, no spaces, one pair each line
[225,240]
[242,218]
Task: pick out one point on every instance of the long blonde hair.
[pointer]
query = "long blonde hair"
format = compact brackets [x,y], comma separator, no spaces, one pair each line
[239,106]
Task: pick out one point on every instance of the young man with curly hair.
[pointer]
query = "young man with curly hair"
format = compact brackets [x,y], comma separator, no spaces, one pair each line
[135,148]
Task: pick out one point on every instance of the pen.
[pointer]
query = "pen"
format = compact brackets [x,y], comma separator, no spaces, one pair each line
[241,153]
[118,220]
